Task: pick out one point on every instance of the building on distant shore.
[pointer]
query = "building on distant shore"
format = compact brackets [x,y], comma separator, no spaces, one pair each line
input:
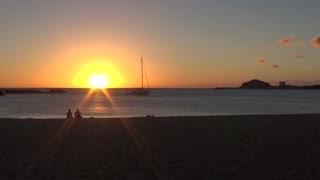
[282,84]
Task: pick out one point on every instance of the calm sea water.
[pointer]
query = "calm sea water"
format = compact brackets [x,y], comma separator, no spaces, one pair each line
[161,102]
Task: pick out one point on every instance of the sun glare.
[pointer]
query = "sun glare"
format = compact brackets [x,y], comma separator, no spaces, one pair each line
[97,75]
[98,81]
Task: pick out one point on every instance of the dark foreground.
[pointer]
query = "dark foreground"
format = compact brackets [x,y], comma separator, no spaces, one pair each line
[217,147]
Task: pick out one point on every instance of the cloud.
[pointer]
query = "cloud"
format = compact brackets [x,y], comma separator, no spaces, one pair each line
[315,42]
[286,41]
[290,41]
[296,55]
[261,59]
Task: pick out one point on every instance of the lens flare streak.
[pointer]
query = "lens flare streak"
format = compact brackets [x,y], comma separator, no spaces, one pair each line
[140,143]
[106,95]
[109,98]
[52,146]
[54,143]
[86,98]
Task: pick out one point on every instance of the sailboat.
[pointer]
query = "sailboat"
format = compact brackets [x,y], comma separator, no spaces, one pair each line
[141,91]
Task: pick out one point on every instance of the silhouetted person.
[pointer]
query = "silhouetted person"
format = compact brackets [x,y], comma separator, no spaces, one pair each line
[69,114]
[77,114]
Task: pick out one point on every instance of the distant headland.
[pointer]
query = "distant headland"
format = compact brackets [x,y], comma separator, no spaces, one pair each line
[255,84]
[258,84]
[30,91]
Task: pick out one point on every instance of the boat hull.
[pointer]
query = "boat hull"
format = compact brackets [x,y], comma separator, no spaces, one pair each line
[140,92]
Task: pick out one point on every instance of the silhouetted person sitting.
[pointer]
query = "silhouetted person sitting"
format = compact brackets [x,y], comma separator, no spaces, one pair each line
[69,114]
[77,114]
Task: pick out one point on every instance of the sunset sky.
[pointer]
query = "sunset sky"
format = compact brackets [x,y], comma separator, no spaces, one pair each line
[184,43]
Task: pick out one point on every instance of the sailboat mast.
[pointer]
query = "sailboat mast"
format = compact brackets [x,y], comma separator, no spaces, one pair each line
[141,74]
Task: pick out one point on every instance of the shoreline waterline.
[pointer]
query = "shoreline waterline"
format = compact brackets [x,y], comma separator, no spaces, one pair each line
[164,117]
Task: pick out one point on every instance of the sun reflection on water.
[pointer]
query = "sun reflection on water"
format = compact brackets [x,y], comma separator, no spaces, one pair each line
[94,108]
[98,100]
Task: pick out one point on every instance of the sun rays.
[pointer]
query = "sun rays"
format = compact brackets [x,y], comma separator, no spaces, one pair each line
[105,93]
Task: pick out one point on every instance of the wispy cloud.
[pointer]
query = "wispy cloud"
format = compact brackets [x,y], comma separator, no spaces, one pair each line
[296,55]
[290,41]
[315,42]
[286,41]
[261,59]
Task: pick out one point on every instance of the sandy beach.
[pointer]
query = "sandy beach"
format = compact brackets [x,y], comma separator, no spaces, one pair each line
[215,147]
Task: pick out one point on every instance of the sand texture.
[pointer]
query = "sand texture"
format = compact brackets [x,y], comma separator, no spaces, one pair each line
[215,147]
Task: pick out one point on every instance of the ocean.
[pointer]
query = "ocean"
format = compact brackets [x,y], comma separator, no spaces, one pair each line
[160,102]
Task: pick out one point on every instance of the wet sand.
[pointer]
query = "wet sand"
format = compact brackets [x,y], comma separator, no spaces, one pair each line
[215,147]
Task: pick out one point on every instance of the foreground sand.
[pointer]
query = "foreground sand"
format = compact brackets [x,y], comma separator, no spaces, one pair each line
[217,147]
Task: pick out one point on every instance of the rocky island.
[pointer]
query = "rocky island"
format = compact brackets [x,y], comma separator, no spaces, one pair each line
[256,84]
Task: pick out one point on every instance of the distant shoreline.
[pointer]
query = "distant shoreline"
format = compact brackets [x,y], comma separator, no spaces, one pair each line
[276,88]
[165,117]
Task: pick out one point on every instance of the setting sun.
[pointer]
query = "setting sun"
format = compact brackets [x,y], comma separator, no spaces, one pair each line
[98,81]
[98,75]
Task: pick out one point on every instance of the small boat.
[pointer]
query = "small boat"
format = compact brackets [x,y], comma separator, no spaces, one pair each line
[57,91]
[141,91]
[2,92]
